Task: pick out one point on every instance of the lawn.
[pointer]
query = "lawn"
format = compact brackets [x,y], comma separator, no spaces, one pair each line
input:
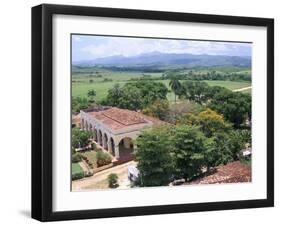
[76,168]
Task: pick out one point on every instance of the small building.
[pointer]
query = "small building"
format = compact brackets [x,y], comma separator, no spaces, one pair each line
[115,129]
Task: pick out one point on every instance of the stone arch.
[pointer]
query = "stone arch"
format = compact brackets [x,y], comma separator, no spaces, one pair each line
[126,148]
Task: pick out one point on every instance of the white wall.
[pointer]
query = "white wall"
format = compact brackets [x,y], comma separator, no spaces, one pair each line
[15,111]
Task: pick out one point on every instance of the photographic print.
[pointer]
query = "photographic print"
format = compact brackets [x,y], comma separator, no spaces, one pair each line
[138,112]
[149,112]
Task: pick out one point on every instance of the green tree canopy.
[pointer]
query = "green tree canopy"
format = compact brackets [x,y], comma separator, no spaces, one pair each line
[114,95]
[225,147]
[235,106]
[195,91]
[80,138]
[136,95]
[189,145]
[79,103]
[155,161]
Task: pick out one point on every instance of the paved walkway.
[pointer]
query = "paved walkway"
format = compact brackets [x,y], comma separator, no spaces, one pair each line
[88,183]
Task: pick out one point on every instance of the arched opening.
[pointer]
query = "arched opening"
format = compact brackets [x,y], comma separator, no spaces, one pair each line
[105,145]
[91,130]
[99,137]
[95,134]
[112,146]
[86,126]
[126,148]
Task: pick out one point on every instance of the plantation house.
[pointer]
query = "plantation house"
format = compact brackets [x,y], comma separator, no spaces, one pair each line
[115,129]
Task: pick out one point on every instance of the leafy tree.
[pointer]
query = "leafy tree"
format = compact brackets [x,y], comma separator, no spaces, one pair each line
[175,86]
[114,95]
[209,121]
[79,103]
[219,150]
[131,98]
[80,138]
[150,91]
[188,144]
[237,142]
[213,90]
[195,91]
[235,106]
[224,147]
[153,155]
[158,109]
[136,95]
[92,93]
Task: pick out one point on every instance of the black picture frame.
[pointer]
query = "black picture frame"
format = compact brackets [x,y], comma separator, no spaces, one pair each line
[42,107]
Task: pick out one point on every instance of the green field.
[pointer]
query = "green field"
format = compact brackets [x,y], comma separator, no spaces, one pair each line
[82,83]
[76,168]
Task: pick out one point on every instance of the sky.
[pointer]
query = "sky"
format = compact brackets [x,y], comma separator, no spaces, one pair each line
[89,47]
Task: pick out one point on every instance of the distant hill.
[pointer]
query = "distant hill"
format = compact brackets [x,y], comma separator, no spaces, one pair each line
[167,59]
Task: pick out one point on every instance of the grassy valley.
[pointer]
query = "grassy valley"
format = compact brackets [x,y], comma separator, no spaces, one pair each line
[101,79]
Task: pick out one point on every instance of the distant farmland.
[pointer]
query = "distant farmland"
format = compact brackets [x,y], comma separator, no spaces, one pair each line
[104,80]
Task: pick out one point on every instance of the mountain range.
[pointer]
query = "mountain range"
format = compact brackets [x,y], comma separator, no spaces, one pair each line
[166,59]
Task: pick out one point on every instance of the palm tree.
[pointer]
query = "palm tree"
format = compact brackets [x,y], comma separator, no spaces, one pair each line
[175,86]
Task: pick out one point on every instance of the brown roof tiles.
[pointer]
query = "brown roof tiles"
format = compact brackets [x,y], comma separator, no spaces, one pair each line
[116,118]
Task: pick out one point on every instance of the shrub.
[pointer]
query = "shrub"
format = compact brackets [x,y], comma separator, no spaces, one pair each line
[90,165]
[77,176]
[93,146]
[112,180]
[77,157]
[103,158]
[89,174]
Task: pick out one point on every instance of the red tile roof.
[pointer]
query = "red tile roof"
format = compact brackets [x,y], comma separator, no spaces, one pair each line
[116,118]
[233,172]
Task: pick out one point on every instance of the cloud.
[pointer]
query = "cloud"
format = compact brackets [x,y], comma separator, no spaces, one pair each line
[100,46]
[77,38]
